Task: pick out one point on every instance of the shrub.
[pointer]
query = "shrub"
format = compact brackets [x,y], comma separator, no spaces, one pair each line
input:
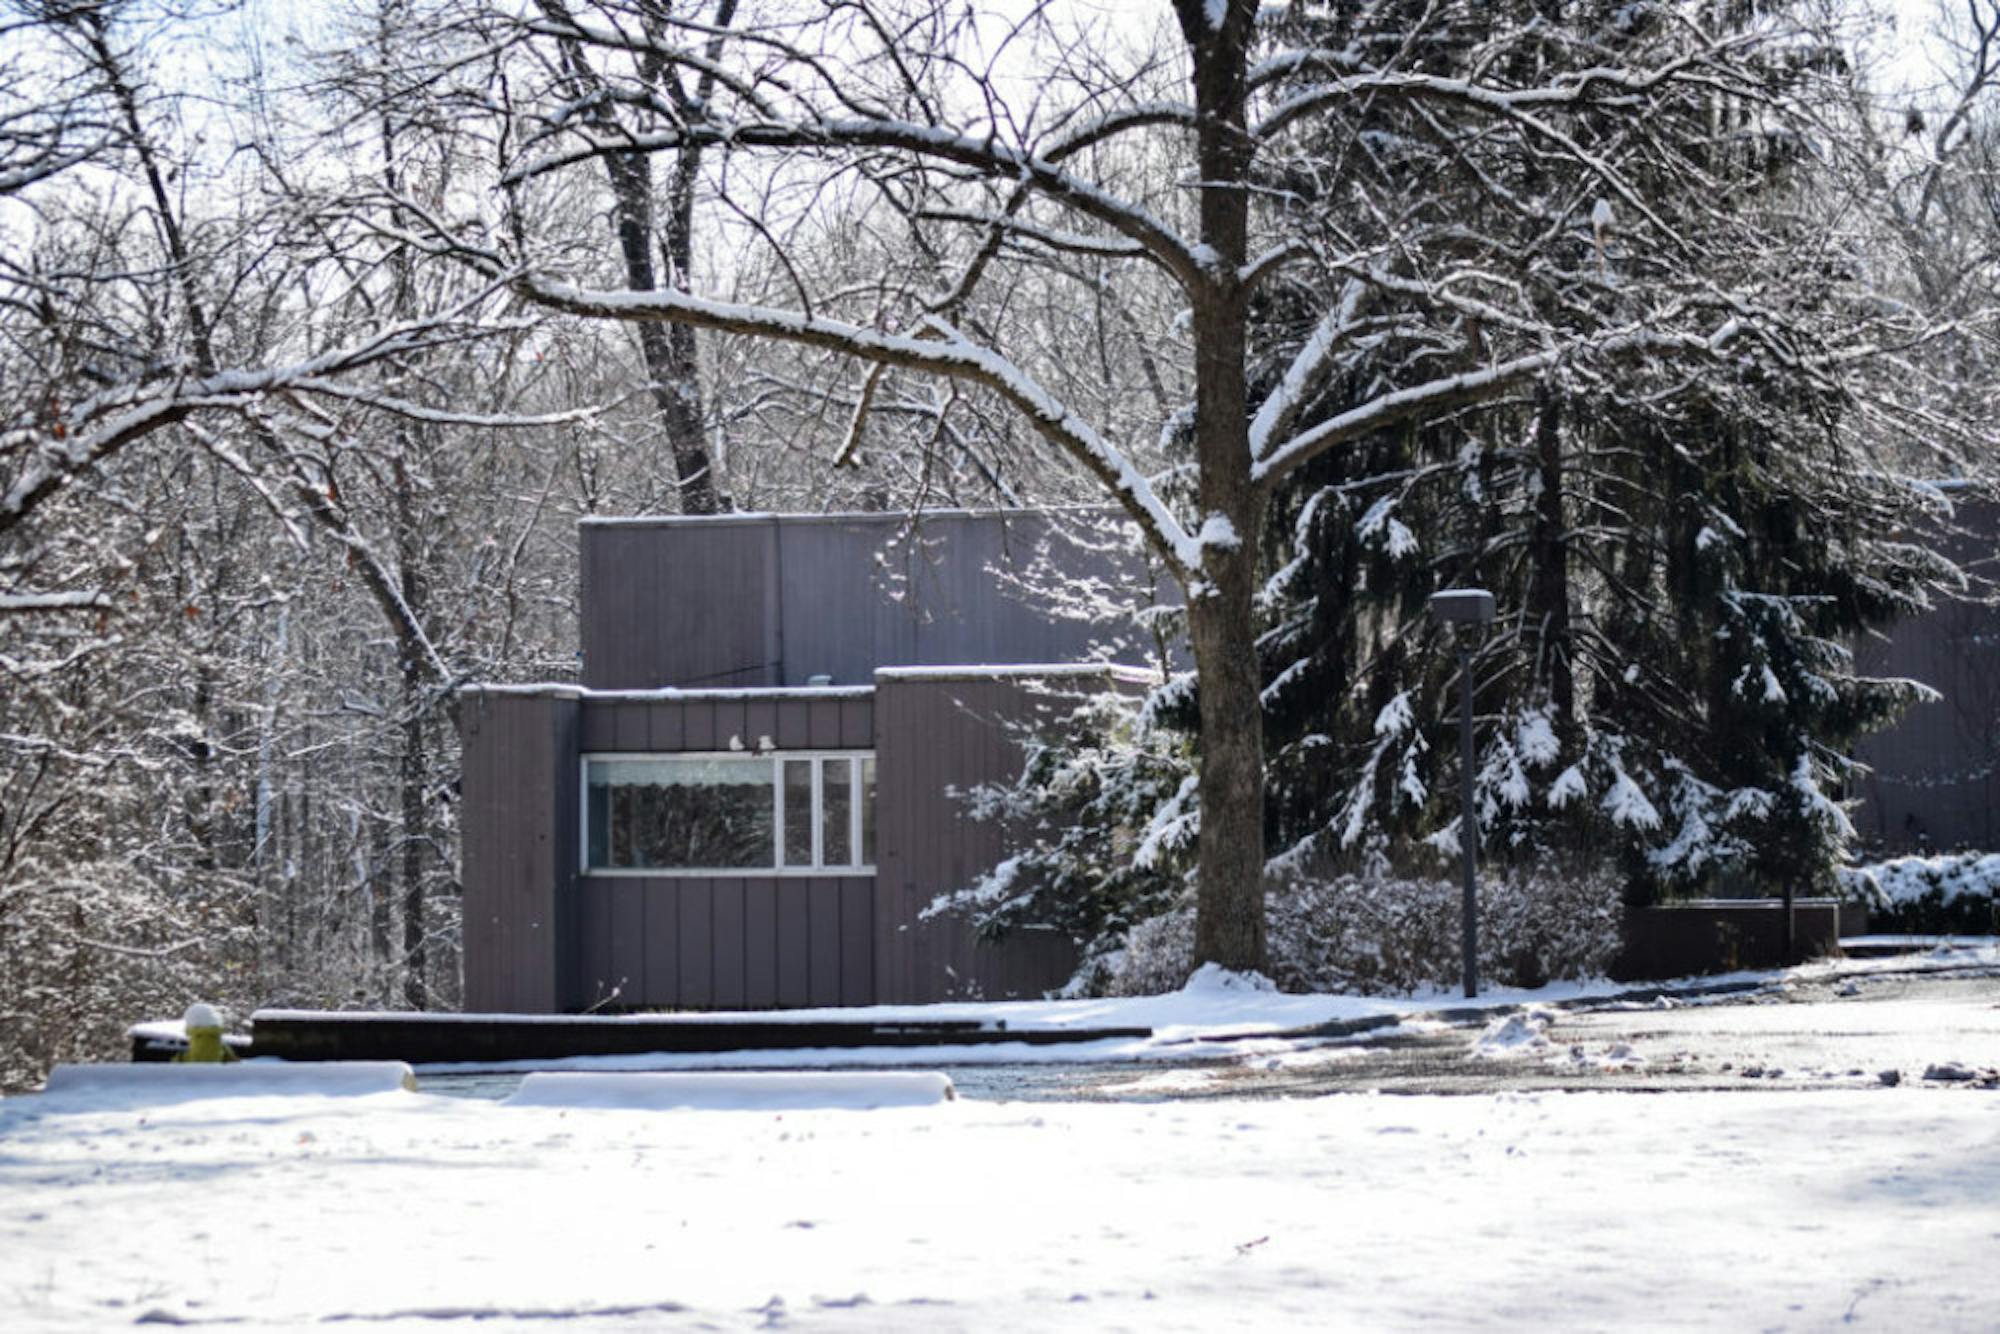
[1389,934]
[1956,894]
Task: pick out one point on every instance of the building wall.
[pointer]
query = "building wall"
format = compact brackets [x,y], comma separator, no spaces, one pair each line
[542,937]
[1935,780]
[763,600]
[519,827]
[735,942]
[726,941]
[693,631]
[936,734]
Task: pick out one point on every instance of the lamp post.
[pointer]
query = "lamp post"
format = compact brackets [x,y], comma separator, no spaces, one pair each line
[1462,609]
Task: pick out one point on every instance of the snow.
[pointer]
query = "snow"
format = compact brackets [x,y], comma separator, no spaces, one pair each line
[1394,718]
[1524,1032]
[1626,803]
[154,1083]
[1381,520]
[600,1200]
[570,690]
[985,671]
[1906,880]
[1218,532]
[79,601]
[854,1090]
[1513,1211]
[1212,979]
[1535,739]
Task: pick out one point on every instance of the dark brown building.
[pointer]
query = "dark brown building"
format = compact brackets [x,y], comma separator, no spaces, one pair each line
[1933,780]
[758,785]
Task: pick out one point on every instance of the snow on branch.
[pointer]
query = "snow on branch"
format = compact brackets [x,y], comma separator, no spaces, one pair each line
[1307,370]
[1113,123]
[1470,387]
[101,425]
[1516,105]
[948,354]
[984,155]
[16,604]
[1013,227]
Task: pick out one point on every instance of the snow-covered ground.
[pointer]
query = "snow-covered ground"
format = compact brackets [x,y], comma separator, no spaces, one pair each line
[1761,1209]
[1753,1210]
[1217,1015]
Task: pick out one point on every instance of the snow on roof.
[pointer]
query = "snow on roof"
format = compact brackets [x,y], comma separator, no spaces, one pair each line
[837,516]
[951,672]
[987,671]
[570,690]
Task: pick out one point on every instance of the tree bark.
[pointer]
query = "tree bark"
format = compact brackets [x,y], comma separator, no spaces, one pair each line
[416,836]
[1229,914]
[1548,595]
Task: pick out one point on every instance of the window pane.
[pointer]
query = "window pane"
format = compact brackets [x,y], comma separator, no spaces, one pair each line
[868,810]
[798,813]
[682,812]
[836,806]
[598,822]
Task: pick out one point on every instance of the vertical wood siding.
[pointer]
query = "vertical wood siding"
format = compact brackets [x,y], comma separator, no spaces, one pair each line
[724,942]
[773,601]
[933,735]
[522,923]
[678,605]
[1935,776]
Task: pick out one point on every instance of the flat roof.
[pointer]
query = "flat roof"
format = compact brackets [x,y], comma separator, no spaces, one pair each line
[835,516]
[966,672]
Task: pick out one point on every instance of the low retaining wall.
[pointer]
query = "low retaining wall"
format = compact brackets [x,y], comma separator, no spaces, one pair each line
[1721,936]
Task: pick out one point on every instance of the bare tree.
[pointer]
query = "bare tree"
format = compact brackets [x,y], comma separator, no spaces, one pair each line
[981,137]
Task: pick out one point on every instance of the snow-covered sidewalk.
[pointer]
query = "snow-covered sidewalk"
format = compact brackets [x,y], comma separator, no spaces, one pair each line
[1715,1211]
[1217,1015]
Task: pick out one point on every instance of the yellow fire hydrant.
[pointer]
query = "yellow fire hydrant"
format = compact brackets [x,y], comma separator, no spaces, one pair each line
[204,1035]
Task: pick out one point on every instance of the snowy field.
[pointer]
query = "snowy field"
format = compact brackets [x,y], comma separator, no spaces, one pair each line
[1753,1210]
[1772,1208]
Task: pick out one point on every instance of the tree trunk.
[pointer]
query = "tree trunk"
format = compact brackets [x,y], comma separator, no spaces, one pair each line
[669,351]
[416,834]
[1548,595]
[1229,916]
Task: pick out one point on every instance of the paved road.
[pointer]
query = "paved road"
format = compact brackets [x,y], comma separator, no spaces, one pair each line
[1856,1032]
[1850,1032]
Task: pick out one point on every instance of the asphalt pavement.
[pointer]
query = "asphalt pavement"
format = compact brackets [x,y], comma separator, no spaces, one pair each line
[1880,1026]
[1916,1030]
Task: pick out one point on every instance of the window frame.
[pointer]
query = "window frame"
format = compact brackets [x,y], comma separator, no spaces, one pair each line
[855,758]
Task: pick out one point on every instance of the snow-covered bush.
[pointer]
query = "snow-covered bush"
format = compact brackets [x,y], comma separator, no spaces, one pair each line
[1101,821]
[1388,934]
[1957,893]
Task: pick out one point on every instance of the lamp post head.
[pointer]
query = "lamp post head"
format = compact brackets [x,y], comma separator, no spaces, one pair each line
[1462,606]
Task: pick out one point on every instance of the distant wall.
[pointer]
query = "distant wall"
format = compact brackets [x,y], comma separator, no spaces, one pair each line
[542,937]
[519,829]
[1935,780]
[936,733]
[725,941]
[765,600]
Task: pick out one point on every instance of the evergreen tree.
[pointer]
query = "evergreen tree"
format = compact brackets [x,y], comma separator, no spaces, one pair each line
[1681,556]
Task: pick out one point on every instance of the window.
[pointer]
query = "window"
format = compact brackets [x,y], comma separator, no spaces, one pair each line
[794,812]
